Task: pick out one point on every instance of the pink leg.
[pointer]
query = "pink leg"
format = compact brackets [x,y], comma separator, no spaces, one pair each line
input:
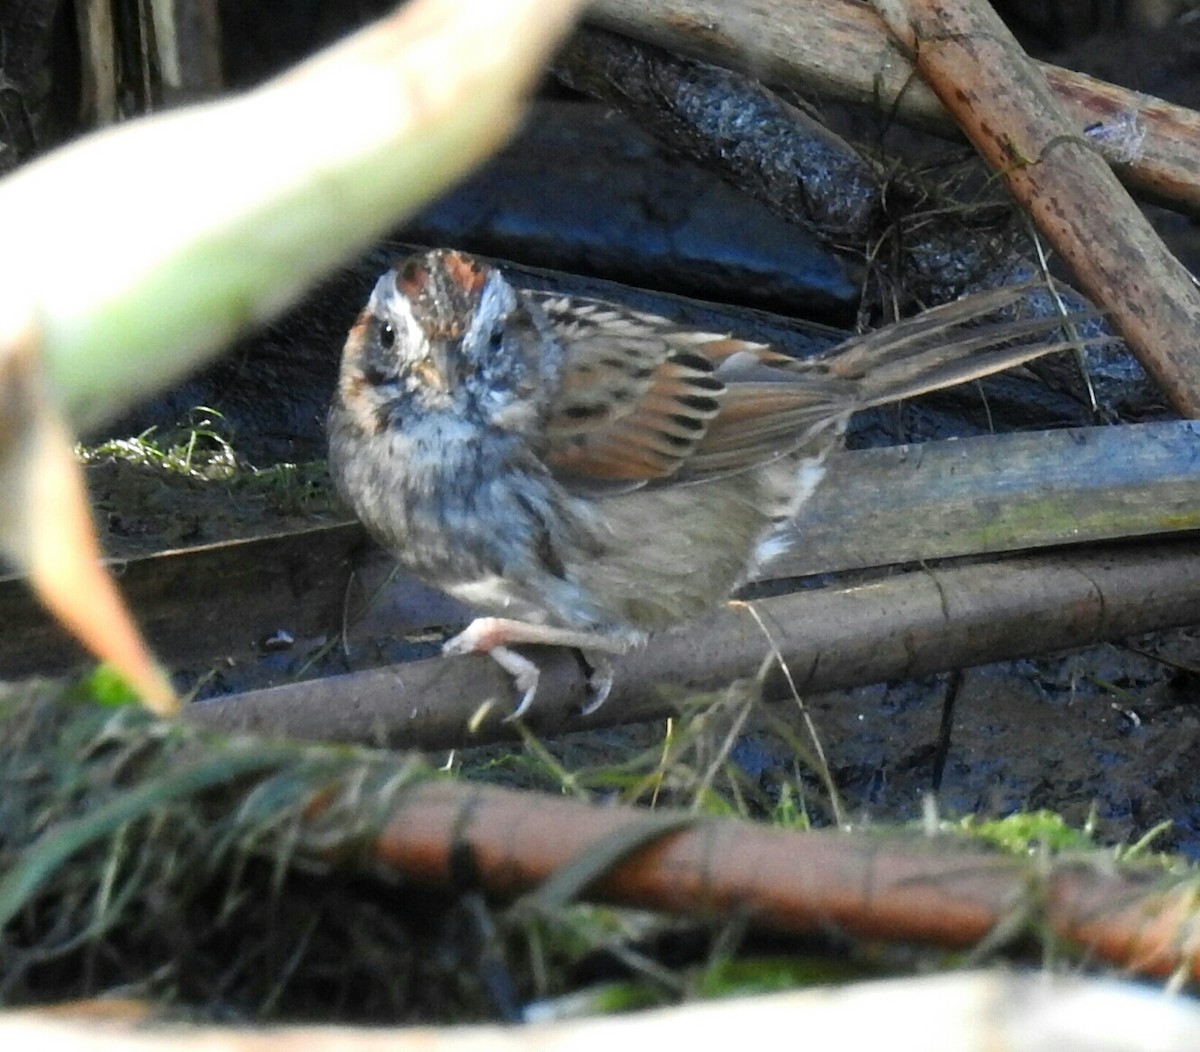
[492,636]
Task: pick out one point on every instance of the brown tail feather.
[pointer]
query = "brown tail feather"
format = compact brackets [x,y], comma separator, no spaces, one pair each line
[937,349]
[763,415]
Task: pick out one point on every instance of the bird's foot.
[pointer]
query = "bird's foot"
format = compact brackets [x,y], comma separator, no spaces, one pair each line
[493,636]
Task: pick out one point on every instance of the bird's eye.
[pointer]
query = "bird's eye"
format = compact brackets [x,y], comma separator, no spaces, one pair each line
[496,341]
[387,336]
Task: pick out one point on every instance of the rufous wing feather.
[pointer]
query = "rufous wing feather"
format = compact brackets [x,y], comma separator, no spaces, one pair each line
[643,401]
[633,401]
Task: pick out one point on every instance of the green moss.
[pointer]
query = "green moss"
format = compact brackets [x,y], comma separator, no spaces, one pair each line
[1028,831]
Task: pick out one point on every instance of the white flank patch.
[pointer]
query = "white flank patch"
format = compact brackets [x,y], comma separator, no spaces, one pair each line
[776,541]
[487,593]
[494,595]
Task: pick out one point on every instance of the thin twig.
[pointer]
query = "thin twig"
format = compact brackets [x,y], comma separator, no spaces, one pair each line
[826,776]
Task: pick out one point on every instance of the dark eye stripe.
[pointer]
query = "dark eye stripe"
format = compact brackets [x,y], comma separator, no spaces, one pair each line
[376,375]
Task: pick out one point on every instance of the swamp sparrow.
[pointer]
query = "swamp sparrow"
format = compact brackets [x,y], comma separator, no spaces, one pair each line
[585,473]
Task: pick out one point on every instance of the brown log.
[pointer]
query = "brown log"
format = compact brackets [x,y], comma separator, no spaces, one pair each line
[1003,103]
[868,885]
[909,624]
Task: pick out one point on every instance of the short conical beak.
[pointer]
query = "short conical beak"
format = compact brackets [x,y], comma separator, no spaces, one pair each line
[434,370]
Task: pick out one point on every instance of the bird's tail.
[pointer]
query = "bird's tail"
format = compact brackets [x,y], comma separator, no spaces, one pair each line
[950,345]
[766,413]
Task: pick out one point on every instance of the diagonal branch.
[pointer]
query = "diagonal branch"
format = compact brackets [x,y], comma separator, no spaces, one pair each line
[1003,103]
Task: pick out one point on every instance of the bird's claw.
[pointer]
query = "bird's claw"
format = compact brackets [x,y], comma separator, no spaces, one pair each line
[487,635]
[600,682]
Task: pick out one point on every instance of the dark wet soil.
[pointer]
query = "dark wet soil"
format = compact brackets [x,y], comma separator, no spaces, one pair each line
[1103,733]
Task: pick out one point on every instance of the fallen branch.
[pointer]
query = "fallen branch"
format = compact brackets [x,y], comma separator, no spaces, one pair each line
[797,168]
[868,885]
[168,814]
[909,624]
[1004,105]
[997,493]
[200,603]
[841,48]
[727,122]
